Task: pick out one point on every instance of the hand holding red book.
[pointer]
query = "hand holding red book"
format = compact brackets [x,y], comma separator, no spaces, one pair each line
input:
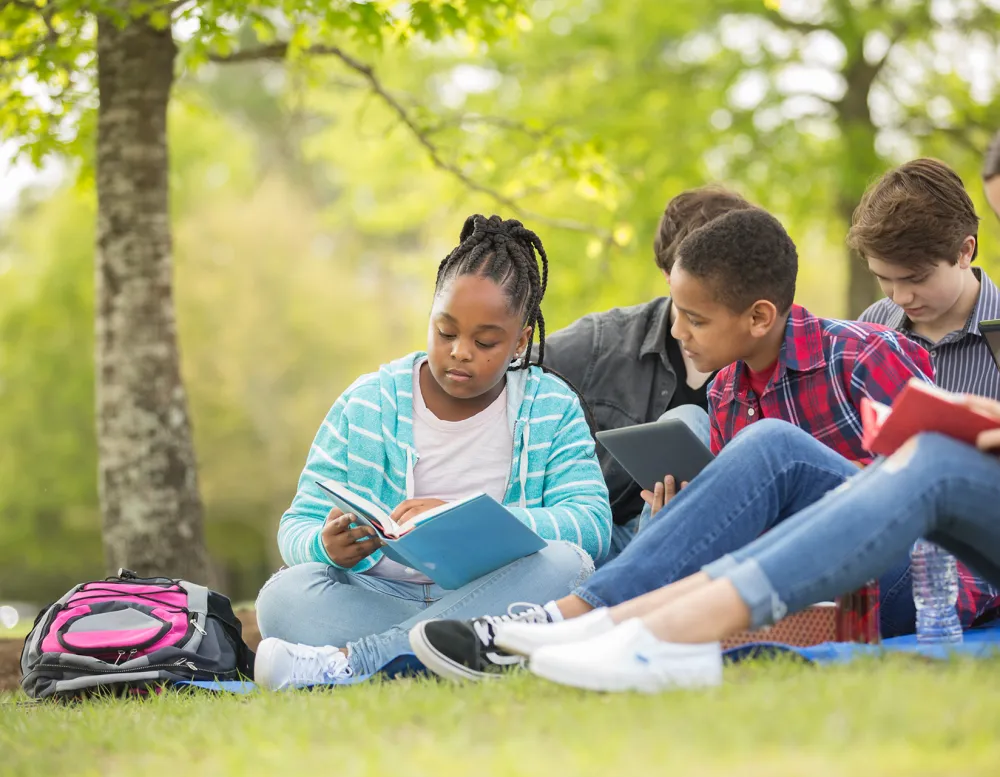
[922,407]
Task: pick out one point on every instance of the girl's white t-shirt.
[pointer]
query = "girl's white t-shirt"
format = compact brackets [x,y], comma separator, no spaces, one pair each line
[455,459]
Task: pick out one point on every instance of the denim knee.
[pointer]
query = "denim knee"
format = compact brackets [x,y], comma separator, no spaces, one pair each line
[770,434]
[286,594]
[570,560]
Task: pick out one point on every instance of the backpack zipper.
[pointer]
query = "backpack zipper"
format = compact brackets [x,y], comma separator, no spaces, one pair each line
[190,665]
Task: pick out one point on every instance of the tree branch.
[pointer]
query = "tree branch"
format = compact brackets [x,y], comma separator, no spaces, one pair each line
[785,23]
[489,121]
[278,51]
[270,51]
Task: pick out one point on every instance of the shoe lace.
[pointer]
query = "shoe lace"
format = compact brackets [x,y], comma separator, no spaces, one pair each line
[320,665]
[485,627]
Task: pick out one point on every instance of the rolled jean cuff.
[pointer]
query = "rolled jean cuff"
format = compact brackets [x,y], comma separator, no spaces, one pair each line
[721,567]
[757,593]
[590,598]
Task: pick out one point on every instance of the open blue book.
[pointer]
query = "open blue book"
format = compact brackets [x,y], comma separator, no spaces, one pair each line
[452,544]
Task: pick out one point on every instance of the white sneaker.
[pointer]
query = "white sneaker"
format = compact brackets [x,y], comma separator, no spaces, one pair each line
[630,658]
[281,664]
[524,639]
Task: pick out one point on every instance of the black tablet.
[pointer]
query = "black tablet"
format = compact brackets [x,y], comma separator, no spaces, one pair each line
[650,452]
[991,331]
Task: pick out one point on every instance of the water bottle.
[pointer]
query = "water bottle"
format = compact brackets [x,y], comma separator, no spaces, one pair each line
[935,591]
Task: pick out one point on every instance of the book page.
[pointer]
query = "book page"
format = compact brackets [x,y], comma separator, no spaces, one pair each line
[350,502]
[881,412]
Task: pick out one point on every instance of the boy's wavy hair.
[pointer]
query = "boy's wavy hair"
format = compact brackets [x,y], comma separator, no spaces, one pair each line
[914,216]
[513,257]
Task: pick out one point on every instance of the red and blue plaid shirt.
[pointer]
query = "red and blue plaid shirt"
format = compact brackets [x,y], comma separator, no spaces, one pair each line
[824,369]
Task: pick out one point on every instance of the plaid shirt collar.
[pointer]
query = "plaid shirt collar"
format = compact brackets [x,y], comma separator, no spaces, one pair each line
[802,351]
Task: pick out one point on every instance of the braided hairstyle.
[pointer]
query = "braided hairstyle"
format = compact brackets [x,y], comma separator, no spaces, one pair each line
[504,252]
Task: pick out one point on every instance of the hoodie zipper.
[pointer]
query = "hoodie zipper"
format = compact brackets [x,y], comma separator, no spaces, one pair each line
[514,463]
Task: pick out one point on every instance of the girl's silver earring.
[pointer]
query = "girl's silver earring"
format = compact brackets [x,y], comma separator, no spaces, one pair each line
[517,362]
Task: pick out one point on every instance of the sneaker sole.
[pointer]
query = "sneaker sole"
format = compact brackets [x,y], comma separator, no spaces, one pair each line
[439,663]
[264,651]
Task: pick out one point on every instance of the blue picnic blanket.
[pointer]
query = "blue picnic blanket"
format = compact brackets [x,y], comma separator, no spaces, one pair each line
[978,643]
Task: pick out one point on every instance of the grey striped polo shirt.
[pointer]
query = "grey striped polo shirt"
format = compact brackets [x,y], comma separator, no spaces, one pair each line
[962,360]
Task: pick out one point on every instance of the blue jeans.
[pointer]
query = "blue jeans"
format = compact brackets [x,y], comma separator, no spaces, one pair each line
[934,487]
[317,604]
[768,473]
[622,534]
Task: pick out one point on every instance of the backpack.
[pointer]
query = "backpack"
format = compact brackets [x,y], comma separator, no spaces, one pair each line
[131,635]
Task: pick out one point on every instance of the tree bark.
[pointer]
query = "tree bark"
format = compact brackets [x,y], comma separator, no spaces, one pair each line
[861,160]
[152,514]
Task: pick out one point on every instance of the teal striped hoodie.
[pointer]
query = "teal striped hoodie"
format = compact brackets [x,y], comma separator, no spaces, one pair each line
[555,485]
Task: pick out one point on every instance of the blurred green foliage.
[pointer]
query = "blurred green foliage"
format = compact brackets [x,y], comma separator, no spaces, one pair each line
[308,225]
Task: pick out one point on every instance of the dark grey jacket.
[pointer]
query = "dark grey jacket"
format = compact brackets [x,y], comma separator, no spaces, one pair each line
[618,361]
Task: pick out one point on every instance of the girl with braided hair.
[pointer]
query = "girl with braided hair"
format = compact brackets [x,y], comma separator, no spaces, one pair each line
[475,412]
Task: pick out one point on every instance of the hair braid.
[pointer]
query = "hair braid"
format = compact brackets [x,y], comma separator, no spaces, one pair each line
[510,255]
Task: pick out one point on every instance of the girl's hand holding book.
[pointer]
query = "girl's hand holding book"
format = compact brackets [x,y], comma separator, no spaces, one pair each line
[411,508]
[346,546]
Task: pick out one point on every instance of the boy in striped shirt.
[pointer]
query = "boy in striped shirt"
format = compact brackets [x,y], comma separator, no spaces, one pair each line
[918,231]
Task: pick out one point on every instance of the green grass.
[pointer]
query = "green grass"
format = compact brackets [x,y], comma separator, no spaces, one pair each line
[886,717]
[20,631]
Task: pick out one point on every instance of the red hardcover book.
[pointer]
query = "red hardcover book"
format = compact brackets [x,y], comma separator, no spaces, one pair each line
[920,407]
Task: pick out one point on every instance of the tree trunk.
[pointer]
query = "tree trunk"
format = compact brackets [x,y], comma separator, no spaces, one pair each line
[861,161]
[152,515]
[862,289]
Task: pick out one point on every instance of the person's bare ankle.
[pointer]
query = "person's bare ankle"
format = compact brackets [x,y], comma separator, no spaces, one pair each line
[573,606]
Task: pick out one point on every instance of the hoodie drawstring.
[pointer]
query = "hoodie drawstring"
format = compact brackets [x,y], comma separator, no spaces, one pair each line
[410,487]
[524,465]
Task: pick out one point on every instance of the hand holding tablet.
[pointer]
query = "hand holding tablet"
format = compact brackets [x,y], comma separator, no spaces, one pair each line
[651,452]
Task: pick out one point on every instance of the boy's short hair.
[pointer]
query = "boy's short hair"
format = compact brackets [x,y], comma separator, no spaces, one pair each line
[745,256]
[688,211]
[915,215]
[991,164]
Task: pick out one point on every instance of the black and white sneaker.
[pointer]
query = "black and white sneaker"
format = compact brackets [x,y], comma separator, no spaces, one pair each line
[464,650]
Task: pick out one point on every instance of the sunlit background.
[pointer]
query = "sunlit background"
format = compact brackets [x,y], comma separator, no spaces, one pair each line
[308,222]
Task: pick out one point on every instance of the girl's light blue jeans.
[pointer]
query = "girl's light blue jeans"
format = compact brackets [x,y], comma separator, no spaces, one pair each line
[934,487]
[317,604]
